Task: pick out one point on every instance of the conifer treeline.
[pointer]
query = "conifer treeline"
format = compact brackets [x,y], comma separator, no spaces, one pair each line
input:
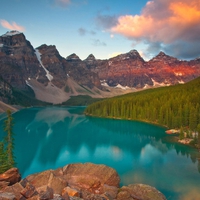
[175,106]
[7,145]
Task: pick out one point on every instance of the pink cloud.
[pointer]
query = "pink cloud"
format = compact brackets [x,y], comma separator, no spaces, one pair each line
[11,26]
[162,21]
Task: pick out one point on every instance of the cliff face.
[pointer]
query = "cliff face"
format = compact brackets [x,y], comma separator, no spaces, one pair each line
[78,70]
[125,69]
[54,78]
[42,69]
[17,60]
[5,90]
[169,70]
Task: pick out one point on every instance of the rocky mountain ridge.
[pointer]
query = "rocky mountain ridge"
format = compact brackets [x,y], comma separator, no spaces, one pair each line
[55,79]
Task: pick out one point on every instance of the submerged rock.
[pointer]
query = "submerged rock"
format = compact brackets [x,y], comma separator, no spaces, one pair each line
[76,182]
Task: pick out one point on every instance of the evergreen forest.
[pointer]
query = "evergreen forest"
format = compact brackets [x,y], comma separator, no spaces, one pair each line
[173,107]
[7,145]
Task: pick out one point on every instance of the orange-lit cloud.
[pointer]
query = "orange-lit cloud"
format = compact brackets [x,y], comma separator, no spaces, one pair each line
[11,26]
[166,23]
[178,18]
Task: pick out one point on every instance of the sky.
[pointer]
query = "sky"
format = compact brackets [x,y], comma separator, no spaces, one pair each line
[106,28]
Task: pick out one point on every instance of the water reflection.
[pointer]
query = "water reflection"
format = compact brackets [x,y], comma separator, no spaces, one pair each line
[47,138]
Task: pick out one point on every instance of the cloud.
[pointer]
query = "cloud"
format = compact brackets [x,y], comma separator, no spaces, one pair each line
[92,32]
[83,31]
[11,26]
[106,21]
[66,3]
[62,3]
[162,23]
[97,42]
[183,50]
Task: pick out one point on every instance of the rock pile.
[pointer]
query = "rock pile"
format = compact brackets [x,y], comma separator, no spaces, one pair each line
[73,182]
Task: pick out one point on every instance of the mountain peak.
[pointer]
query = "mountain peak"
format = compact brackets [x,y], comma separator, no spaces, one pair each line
[73,57]
[164,57]
[161,53]
[90,58]
[11,33]
[133,55]
[134,52]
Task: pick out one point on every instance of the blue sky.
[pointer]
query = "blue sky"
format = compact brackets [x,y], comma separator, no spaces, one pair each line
[107,27]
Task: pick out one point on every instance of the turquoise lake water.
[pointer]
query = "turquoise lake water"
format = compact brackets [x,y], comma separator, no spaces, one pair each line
[52,137]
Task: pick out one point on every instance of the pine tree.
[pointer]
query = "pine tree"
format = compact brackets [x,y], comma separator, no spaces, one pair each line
[193,118]
[3,159]
[9,139]
[198,137]
[181,135]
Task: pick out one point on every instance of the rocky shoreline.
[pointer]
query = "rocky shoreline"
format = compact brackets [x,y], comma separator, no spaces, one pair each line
[73,182]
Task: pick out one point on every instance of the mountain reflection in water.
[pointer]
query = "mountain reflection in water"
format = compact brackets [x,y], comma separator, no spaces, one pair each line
[51,137]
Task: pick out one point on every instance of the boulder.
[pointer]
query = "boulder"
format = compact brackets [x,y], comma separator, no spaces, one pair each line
[110,191]
[91,177]
[7,196]
[14,189]
[90,196]
[3,184]
[39,179]
[59,197]
[71,192]
[57,183]
[29,191]
[78,182]
[46,194]
[54,180]
[11,176]
[139,191]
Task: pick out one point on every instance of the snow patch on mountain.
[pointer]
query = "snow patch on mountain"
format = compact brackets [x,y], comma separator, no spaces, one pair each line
[146,86]
[122,87]
[11,33]
[103,83]
[48,75]
[159,84]
[178,74]
[27,83]
[181,82]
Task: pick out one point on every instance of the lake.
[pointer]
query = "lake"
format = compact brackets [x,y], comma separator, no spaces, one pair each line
[52,137]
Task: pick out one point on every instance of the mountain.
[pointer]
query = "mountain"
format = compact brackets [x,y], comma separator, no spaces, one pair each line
[42,70]
[42,73]
[130,70]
